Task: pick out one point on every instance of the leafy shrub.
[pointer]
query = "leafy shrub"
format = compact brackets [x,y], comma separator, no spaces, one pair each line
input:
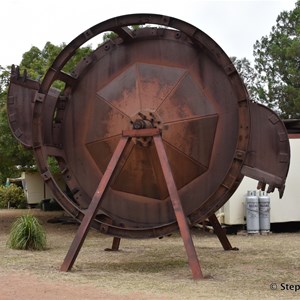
[27,234]
[12,196]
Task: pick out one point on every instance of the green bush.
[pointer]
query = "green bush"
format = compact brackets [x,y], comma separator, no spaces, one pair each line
[12,196]
[27,234]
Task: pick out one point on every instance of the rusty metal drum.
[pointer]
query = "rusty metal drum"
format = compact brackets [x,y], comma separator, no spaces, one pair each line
[164,74]
[167,75]
[152,132]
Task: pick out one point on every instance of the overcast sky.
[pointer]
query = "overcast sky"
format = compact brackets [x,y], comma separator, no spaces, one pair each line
[234,24]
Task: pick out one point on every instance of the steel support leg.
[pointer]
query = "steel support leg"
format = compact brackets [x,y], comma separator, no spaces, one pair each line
[93,208]
[115,245]
[220,232]
[179,213]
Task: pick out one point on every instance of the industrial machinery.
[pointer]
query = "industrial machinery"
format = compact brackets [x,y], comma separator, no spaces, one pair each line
[153,131]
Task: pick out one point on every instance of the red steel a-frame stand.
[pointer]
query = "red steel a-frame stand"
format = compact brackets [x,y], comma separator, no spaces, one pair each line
[173,193]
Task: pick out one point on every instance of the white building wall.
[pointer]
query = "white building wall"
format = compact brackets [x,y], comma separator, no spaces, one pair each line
[35,188]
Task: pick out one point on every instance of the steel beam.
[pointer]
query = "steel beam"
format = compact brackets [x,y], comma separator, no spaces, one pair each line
[219,231]
[179,213]
[93,207]
[115,245]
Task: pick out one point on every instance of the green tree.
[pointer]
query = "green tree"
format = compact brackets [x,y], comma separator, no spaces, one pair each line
[37,61]
[249,76]
[13,156]
[277,60]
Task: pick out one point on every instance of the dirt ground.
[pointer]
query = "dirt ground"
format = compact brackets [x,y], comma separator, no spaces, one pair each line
[265,267]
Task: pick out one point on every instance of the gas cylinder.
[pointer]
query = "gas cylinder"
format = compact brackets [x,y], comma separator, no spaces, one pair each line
[264,212]
[252,212]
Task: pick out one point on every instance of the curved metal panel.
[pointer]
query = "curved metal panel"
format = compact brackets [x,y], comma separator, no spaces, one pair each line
[268,157]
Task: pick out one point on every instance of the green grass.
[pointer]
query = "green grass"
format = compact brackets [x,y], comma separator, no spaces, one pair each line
[27,234]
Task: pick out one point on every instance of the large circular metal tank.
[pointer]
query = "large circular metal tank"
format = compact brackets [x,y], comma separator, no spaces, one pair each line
[167,75]
[153,131]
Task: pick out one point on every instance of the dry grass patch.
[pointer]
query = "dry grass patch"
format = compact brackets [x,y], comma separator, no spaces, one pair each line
[158,268]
